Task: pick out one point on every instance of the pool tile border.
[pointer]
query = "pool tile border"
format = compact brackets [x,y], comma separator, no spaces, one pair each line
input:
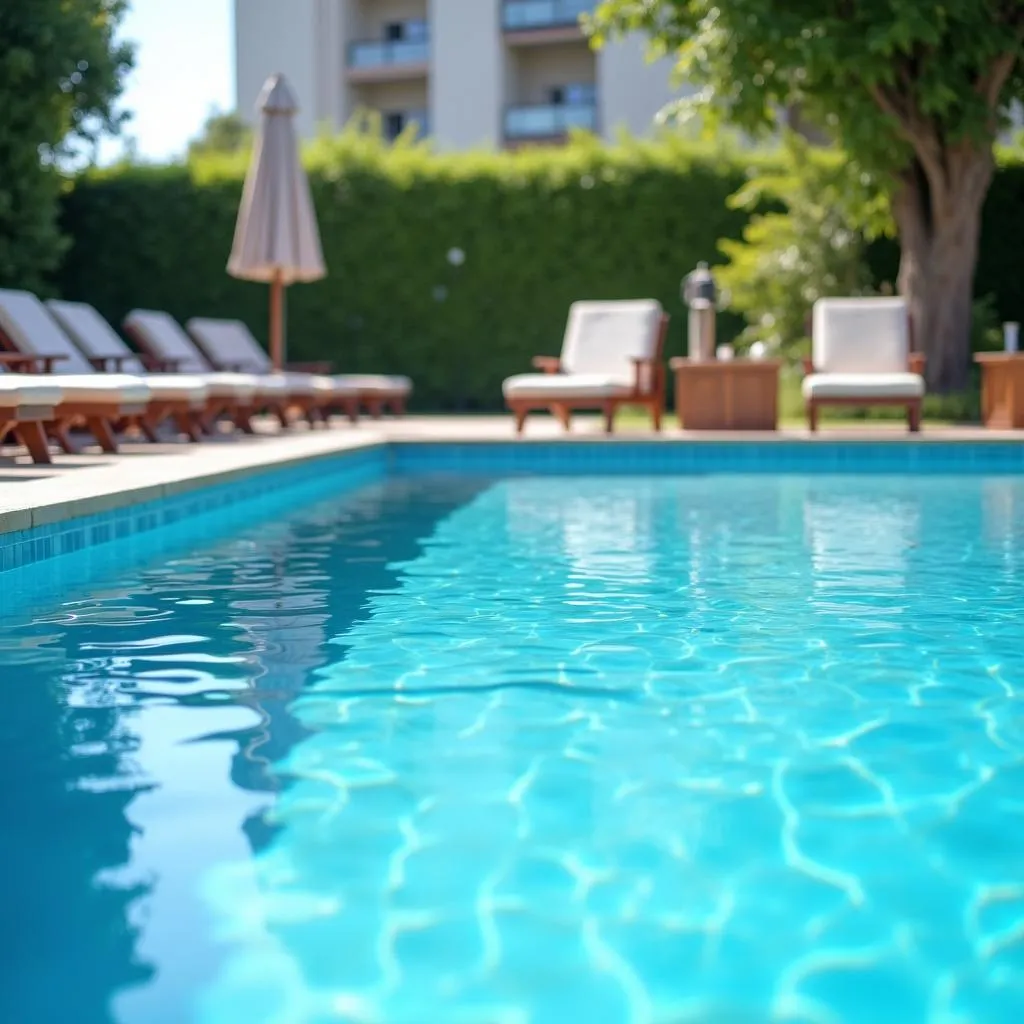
[28,536]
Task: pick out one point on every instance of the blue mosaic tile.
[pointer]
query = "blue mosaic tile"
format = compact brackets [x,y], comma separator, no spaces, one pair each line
[321,477]
[282,486]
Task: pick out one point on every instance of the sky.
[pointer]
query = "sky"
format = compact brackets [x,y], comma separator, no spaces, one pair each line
[184,68]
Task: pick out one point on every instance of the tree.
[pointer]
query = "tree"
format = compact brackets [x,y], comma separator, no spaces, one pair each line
[916,93]
[222,133]
[61,72]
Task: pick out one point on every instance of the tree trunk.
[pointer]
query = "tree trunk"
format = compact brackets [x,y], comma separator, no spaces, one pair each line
[939,224]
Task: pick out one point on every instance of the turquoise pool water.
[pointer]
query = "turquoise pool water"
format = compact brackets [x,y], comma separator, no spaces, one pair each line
[710,748]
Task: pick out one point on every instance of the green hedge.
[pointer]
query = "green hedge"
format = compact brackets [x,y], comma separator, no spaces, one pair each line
[539,229]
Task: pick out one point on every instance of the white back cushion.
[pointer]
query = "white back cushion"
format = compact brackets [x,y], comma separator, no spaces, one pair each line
[229,343]
[34,332]
[162,336]
[604,337]
[92,334]
[860,336]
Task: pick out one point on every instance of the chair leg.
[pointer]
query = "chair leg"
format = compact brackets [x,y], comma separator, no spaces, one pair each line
[812,417]
[243,420]
[148,427]
[609,417]
[398,406]
[914,417]
[563,415]
[375,408]
[520,417]
[656,416]
[101,429]
[186,425]
[58,430]
[33,437]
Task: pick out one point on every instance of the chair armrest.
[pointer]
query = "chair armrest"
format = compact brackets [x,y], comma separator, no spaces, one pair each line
[157,365]
[110,364]
[20,363]
[547,364]
[808,365]
[915,362]
[323,367]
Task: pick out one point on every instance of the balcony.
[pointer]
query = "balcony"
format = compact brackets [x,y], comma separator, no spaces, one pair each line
[548,121]
[543,21]
[386,60]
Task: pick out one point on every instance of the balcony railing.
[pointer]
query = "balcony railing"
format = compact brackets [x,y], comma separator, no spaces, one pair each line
[388,53]
[549,121]
[538,14]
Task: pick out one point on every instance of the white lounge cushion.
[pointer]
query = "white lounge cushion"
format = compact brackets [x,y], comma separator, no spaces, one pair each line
[605,338]
[34,332]
[108,388]
[552,386]
[18,389]
[162,336]
[93,335]
[177,387]
[863,385]
[241,387]
[307,384]
[389,384]
[869,335]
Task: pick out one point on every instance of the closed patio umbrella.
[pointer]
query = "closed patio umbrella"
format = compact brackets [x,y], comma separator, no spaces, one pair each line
[276,238]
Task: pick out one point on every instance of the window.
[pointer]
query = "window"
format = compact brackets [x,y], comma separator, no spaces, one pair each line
[394,31]
[394,125]
[556,96]
[416,31]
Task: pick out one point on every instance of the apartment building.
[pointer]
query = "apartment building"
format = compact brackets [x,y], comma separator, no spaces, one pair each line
[469,73]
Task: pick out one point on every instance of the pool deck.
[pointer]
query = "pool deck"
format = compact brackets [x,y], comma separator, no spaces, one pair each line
[78,485]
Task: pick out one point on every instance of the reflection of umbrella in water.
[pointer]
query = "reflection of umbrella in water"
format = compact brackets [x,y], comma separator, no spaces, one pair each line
[276,239]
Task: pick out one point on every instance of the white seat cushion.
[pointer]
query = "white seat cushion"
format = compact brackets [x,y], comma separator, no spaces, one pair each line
[863,385]
[108,388]
[271,385]
[306,384]
[177,387]
[374,382]
[240,387]
[552,386]
[28,390]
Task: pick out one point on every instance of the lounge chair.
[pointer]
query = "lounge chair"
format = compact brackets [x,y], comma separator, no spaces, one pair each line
[229,344]
[181,398]
[104,403]
[233,340]
[611,356]
[27,404]
[167,344]
[862,354]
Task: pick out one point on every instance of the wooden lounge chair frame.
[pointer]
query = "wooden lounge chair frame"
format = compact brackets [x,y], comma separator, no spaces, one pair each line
[217,406]
[102,419]
[648,390]
[28,425]
[915,364]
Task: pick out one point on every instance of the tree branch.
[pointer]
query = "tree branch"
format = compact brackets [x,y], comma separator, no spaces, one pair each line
[990,86]
[918,132]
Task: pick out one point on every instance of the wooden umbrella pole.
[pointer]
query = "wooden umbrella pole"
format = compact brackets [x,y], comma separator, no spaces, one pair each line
[277,321]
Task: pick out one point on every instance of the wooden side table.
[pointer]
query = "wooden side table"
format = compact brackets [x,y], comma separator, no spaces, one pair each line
[734,394]
[1002,389]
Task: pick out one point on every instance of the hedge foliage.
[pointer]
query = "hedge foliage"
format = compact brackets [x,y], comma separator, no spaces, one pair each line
[539,229]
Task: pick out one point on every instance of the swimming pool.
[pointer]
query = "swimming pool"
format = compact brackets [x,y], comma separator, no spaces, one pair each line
[536,747]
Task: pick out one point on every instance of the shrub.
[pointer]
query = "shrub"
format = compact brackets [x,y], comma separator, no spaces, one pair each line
[540,228]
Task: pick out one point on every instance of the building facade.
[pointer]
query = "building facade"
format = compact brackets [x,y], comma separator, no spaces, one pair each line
[469,73]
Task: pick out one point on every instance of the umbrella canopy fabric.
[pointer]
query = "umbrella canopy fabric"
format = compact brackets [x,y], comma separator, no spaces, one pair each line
[276,237]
